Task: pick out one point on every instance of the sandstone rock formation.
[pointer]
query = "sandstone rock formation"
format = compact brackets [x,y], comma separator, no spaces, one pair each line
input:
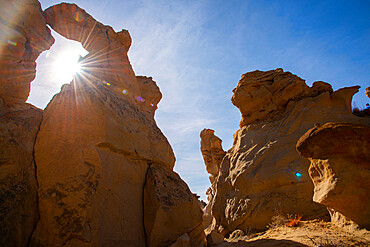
[262,173]
[107,58]
[211,148]
[340,169]
[183,241]
[170,209]
[23,36]
[99,152]
[213,153]
[150,95]
[262,96]
[367,92]
[77,173]
[18,185]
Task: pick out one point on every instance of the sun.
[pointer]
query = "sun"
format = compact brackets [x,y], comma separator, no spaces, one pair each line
[66,64]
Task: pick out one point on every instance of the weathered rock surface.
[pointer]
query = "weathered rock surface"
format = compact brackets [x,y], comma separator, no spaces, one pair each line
[212,151]
[170,209]
[18,185]
[104,168]
[23,36]
[264,95]
[150,95]
[92,154]
[263,172]
[214,238]
[107,58]
[340,168]
[183,241]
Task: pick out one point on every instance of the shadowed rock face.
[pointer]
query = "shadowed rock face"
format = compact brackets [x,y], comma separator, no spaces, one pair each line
[18,185]
[340,168]
[263,173]
[170,209]
[23,36]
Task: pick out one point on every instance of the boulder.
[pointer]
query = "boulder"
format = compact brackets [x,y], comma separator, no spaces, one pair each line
[182,241]
[170,209]
[24,35]
[263,173]
[340,169]
[214,238]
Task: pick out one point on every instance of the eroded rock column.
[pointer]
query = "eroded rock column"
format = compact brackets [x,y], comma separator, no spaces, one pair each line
[23,36]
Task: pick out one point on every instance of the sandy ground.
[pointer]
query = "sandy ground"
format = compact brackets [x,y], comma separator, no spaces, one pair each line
[308,233]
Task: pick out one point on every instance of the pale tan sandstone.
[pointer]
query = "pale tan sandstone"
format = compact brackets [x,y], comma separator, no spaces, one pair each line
[340,169]
[212,151]
[24,35]
[258,174]
[263,95]
[170,209]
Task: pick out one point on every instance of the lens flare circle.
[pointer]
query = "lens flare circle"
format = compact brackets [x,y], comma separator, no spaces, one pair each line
[78,16]
[140,99]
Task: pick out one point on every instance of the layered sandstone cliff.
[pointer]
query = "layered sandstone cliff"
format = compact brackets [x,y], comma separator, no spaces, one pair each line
[262,173]
[340,169]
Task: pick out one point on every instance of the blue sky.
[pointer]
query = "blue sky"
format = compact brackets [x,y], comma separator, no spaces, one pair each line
[197,51]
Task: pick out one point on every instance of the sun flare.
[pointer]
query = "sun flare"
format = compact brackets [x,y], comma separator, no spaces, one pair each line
[66,64]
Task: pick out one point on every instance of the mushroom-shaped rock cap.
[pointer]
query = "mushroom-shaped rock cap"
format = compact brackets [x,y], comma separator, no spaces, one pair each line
[334,138]
[74,23]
